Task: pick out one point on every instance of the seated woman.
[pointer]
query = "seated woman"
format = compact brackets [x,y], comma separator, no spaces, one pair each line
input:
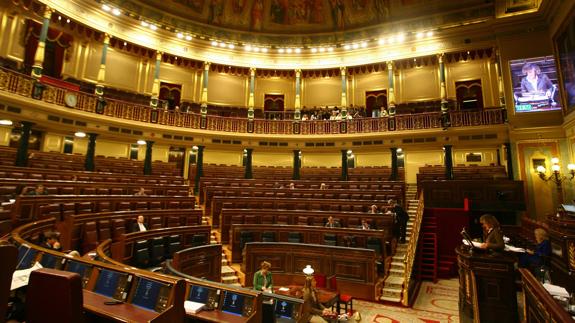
[492,235]
[263,278]
[536,258]
[311,304]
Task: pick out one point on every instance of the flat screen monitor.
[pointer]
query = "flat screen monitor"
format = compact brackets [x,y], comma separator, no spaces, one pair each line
[283,309]
[77,267]
[147,292]
[199,294]
[107,283]
[233,303]
[535,84]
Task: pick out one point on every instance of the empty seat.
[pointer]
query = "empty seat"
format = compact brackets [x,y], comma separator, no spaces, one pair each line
[83,207]
[330,239]
[245,237]
[199,240]
[89,237]
[173,245]
[157,250]
[104,231]
[268,236]
[173,221]
[294,237]
[155,223]
[119,228]
[141,254]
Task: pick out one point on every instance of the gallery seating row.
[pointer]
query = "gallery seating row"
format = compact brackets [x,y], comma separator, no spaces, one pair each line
[125,248]
[375,196]
[462,172]
[314,218]
[298,184]
[301,204]
[88,232]
[30,208]
[72,228]
[355,268]
[377,240]
[145,296]
[286,173]
[13,187]
[84,176]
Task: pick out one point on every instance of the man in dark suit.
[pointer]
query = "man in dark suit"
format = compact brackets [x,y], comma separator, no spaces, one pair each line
[139,225]
[331,223]
[401,218]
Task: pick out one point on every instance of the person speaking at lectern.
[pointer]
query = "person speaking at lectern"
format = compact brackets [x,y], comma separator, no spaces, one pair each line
[492,235]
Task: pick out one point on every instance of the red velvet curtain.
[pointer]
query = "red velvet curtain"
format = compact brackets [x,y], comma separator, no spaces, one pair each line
[56,44]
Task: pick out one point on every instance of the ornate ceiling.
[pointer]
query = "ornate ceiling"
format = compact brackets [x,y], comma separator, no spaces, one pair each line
[303,22]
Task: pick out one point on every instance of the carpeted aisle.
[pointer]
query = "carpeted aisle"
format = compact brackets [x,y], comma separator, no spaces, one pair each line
[436,303]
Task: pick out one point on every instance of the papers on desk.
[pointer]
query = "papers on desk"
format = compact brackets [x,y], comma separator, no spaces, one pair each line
[193,307]
[20,277]
[283,289]
[475,244]
[555,290]
[513,249]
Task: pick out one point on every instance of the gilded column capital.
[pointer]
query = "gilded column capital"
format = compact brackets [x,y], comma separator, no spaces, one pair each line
[389,65]
[159,55]
[207,65]
[48,12]
[107,38]
[343,70]
[297,72]
[253,71]
[440,57]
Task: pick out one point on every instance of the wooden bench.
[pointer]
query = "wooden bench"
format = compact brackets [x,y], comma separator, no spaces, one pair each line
[345,237]
[314,218]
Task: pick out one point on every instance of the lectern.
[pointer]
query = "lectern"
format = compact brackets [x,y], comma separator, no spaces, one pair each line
[487,291]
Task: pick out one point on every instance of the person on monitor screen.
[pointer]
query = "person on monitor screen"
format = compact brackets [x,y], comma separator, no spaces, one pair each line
[263,278]
[311,304]
[534,81]
[492,235]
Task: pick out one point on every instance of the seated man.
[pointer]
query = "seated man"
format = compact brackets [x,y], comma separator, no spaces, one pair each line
[39,190]
[139,225]
[331,223]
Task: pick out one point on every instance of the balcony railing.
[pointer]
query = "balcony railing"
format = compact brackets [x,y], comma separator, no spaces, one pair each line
[13,82]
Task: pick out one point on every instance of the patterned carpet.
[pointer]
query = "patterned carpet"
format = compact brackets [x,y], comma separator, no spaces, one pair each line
[435,303]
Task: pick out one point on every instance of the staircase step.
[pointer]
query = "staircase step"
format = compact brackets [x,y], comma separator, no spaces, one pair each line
[390,299]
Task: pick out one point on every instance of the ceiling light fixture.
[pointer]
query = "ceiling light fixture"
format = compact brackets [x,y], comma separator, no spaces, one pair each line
[256,49]
[297,50]
[231,46]
[355,46]
[347,47]
[180,35]
[145,24]
[141,142]
[248,48]
[105,7]
[153,27]
[6,122]
[314,50]
[264,50]
[188,37]
[116,11]
[330,49]
[281,50]
[381,41]
[214,43]
[80,134]
[430,34]
[419,35]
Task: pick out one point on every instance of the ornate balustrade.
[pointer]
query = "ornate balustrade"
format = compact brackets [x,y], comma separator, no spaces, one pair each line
[13,82]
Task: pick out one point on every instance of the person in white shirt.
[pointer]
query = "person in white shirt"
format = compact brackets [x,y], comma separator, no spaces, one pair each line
[139,225]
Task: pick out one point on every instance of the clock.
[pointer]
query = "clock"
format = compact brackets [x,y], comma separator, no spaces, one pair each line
[71,99]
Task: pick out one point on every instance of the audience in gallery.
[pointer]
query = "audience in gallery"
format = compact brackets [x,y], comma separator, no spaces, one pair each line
[537,258]
[139,225]
[263,280]
[492,235]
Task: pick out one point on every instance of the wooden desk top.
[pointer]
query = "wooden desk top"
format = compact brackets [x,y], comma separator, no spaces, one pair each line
[123,312]
[325,296]
[218,316]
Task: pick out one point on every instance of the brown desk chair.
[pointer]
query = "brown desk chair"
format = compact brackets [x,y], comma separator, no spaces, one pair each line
[9,256]
[54,296]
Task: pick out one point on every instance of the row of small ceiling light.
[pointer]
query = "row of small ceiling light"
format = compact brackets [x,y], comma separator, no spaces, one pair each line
[394,39]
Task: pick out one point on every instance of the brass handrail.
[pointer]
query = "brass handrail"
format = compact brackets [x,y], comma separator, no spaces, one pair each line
[412,250]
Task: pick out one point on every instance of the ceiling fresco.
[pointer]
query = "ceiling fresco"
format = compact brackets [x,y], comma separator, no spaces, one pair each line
[302,21]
